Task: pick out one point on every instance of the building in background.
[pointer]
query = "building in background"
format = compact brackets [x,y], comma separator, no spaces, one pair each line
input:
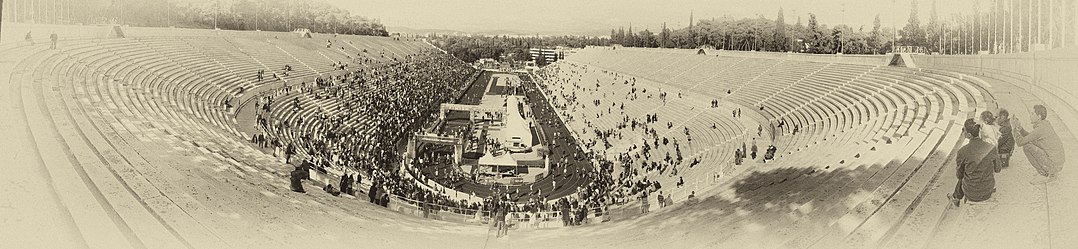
[543,56]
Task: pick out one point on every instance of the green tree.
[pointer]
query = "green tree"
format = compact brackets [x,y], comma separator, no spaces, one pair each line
[780,43]
[912,34]
[875,38]
[646,39]
[817,41]
[933,30]
[664,37]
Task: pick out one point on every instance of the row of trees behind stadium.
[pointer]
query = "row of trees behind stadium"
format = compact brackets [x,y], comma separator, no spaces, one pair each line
[1006,26]
[997,26]
[269,15]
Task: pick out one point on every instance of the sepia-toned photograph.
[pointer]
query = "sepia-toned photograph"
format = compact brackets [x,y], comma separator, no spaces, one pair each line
[547,124]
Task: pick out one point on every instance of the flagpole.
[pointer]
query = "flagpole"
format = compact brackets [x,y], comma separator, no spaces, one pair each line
[1063,25]
[1051,24]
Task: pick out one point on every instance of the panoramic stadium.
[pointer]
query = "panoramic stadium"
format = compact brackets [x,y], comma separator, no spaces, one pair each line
[533,124]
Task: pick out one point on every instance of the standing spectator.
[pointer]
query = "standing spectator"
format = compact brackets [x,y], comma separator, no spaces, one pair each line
[754,149]
[345,184]
[976,167]
[662,202]
[53,38]
[737,157]
[372,193]
[1041,145]
[500,216]
[644,205]
[29,38]
[1005,145]
[288,152]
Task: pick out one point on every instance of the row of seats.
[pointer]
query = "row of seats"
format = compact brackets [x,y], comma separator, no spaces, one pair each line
[120,120]
[895,124]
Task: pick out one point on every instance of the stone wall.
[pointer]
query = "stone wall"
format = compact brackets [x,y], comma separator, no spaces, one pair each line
[1050,75]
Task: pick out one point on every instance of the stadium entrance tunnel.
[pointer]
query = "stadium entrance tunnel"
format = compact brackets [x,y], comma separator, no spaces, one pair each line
[902,60]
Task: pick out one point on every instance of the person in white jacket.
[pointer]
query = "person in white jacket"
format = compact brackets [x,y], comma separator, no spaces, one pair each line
[989,129]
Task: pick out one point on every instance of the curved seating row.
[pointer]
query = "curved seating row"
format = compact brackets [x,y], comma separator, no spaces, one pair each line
[889,128]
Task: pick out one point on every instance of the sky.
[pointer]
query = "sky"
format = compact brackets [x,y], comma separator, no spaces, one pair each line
[597,17]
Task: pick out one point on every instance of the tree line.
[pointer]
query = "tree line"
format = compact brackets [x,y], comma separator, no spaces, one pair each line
[762,34]
[269,15]
[1001,26]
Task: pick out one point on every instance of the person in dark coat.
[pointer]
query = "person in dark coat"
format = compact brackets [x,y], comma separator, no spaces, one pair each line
[296,178]
[977,165]
[351,184]
[744,150]
[737,157]
[753,153]
[345,184]
[288,152]
[1006,138]
[373,192]
[385,199]
[306,166]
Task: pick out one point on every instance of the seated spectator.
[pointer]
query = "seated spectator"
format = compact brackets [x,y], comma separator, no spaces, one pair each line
[331,190]
[296,176]
[1005,144]
[977,165]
